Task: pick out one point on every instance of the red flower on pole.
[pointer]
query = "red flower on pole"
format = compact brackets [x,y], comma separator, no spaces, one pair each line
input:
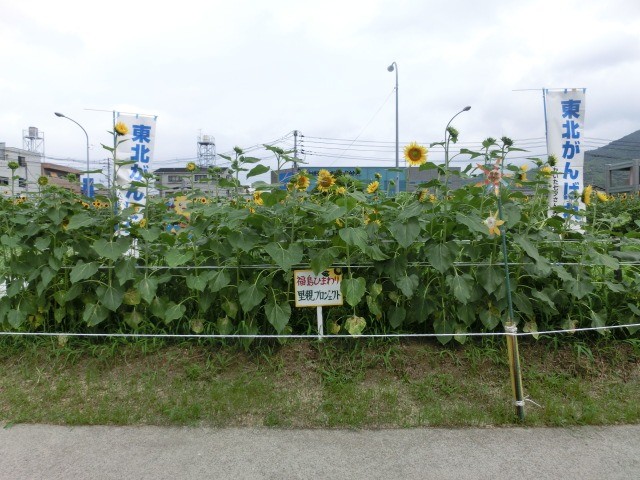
[492,176]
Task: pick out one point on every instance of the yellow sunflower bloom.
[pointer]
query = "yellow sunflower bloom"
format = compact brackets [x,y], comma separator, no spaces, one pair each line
[325,182]
[373,187]
[587,194]
[121,128]
[546,171]
[257,198]
[521,176]
[415,154]
[602,196]
[302,182]
[191,166]
[341,190]
[324,173]
[493,224]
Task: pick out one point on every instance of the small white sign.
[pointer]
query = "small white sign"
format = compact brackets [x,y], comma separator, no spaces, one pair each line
[320,290]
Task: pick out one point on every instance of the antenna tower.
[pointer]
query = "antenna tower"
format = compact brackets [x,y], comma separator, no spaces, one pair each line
[206,151]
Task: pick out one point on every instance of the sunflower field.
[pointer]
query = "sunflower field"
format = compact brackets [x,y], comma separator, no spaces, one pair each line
[429,261]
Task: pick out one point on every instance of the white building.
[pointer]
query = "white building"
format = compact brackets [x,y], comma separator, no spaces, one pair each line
[28,171]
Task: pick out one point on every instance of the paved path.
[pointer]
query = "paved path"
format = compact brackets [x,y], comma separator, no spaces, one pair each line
[52,452]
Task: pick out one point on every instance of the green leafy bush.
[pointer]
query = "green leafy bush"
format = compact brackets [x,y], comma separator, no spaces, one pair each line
[425,262]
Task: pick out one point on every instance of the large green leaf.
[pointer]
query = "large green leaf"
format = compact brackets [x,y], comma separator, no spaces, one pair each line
[579,288]
[278,314]
[110,296]
[131,297]
[94,313]
[412,210]
[374,253]
[158,306]
[46,275]
[197,282]
[285,258]
[174,312]
[527,246]
[523,303]
[42,243]
[82,271]
[250,295]
[150,234]
[218,280]
[15,287]
[444,327]
[597,320]
[543,297]
[125,269]
[332,212]
[323,259]
[491,277]
[353,289]
[373,306]
[440,257]
[473,222]
[354,236]
[11,242]
[175,257]
[243,240]
[16,318]
[80,220]
[511,213]
[461,286]
[604,260]
[133,319]
[355,325]
[408,284]
[406,232]
[397,315]
[147,288]
[112,250]
[257,170]
[490,318]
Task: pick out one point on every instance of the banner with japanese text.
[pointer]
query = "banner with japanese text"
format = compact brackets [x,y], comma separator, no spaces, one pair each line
[134,154]
[565,110]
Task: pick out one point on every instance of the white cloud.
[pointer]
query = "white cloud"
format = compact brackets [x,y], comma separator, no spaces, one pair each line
[248,72]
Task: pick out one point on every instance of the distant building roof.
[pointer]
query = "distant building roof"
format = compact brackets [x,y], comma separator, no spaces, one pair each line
[61,168]
[184,170]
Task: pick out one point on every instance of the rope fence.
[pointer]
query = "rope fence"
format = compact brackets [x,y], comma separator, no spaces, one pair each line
[317,336]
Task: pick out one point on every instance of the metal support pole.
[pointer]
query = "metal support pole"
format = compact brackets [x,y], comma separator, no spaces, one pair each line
[58,114]
[391,68]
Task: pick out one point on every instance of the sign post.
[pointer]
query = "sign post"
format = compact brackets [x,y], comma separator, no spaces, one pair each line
[321,290]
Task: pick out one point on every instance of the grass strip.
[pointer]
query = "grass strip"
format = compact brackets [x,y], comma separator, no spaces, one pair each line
[305,384]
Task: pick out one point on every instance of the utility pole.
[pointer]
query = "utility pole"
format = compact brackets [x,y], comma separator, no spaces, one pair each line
[295,149]
[108,162]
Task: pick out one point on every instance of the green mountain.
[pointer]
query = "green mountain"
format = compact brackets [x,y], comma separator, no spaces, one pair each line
[625,148]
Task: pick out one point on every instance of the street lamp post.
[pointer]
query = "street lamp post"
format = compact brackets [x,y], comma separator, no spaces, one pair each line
[446,148]
[391,68]
[58,114]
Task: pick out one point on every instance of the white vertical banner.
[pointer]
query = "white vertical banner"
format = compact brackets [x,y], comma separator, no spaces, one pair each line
[134,155]
[564,111]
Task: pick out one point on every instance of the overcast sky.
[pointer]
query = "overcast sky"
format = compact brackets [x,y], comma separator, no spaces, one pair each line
[249,72]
